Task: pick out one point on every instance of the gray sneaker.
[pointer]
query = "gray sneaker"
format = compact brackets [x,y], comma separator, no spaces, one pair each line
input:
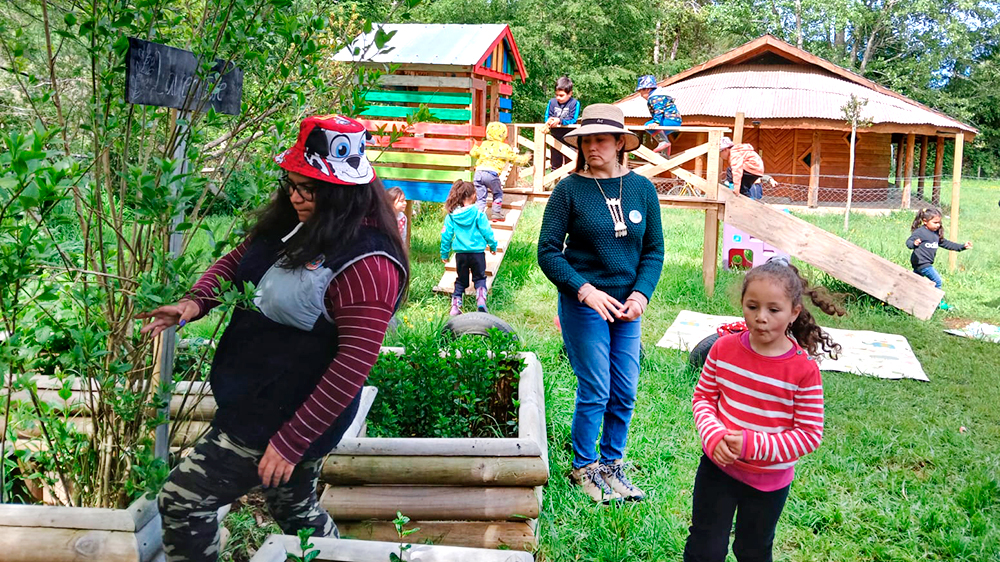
[614,476]
[590,478]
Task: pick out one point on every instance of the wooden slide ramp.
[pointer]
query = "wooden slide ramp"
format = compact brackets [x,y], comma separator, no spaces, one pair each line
[843,260]
[503,231]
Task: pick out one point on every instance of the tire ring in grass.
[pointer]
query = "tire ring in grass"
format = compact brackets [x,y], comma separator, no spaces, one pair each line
[476,323]
[699,353]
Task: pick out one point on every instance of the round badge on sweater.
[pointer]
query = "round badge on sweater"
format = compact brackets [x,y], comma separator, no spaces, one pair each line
[635,216]
[316,263]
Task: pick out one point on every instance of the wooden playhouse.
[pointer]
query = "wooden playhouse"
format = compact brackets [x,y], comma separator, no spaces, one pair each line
[792,101]
[463,74]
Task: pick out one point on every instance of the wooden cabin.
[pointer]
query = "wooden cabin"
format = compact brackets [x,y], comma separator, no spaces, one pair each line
[792,103]
[463,74]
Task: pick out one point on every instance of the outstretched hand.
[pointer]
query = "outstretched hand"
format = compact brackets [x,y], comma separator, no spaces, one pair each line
[968,245]
[168,315]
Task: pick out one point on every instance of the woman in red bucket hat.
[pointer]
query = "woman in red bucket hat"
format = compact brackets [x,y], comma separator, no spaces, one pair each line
[329,269]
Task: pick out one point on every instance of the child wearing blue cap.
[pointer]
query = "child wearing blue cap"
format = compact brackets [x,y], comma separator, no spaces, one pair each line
[662,109]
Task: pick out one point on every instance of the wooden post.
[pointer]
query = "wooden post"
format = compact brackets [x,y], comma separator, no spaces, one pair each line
[956,187]
[899,163]
[938,164]
[710,249]
[907,172]
[738,129]
[814,157]
[494,100]
[923,166]
[699,162]
[539,166]
[409,221]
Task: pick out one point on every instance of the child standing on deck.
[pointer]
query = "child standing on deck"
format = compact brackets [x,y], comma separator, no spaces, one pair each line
[758,407]
[466,231]
[924,241]
[562,110]
[662,109]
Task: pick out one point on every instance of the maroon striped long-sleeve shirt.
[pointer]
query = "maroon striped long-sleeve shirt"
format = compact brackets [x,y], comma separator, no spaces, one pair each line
[361,301]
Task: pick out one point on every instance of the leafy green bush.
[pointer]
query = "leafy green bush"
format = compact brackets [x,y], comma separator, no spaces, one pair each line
[446,387]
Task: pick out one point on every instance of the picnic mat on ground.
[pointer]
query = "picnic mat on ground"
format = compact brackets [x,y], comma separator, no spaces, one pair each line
[885,356]
[978,331]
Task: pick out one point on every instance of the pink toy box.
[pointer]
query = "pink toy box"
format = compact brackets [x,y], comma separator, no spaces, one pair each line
[740,250]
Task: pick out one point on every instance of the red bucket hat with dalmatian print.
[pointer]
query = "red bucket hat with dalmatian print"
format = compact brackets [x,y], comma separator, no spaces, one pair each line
[330,148]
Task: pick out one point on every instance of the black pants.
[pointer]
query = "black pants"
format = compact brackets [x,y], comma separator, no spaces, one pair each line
[558,159]
[717,496]
[466,264]
[746,183]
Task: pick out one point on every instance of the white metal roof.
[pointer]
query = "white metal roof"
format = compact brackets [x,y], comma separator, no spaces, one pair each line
[440,44]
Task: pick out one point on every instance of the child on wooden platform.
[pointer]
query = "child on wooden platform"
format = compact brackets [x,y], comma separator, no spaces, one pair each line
[662,109]
[398,200]
[562,110]
[758,407]
[466,231]
[493,154]
[924,240]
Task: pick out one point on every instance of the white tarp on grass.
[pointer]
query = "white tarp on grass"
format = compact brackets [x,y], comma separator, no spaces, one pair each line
[978,331]
[873,354]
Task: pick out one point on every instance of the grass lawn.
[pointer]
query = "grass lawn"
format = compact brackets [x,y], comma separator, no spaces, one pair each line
[895,479]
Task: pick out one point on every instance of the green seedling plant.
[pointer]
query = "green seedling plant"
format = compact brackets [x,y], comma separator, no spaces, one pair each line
[400,523]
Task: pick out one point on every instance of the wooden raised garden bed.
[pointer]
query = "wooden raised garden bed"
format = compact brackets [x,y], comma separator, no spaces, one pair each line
[483,493]
[277,547]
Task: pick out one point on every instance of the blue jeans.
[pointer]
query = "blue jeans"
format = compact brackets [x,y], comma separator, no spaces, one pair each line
[932,274]
[605,359]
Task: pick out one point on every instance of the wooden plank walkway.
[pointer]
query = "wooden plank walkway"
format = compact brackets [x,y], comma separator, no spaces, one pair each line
[503,231]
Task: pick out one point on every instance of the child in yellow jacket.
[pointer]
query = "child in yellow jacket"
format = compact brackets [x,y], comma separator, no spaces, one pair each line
[493,154]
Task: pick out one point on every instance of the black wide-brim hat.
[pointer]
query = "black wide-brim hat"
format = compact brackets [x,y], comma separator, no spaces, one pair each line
[602,118]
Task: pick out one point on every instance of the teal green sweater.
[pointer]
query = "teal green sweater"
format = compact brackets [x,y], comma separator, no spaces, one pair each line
[577,216]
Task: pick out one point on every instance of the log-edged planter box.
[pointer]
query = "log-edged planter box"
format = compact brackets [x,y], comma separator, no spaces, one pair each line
[47,533]
[37,533]
[277,547]
[483,493]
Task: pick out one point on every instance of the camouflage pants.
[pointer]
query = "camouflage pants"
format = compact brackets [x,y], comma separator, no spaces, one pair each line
[216,473]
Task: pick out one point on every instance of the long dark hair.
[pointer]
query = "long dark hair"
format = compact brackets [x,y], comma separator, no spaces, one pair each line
[581,160]
[926,214]
[335,223]
[804,329]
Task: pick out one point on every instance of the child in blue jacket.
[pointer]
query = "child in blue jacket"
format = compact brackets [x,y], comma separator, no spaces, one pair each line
[662,109]
[466,231]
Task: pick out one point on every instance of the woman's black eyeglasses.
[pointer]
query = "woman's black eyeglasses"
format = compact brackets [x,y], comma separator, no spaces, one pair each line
[305,190]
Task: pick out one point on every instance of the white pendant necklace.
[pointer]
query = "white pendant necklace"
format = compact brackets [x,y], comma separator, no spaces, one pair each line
[615,208]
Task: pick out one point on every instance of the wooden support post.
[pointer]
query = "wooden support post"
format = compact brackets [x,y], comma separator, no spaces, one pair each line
[494,100]
[539,151]
[814,157]
[904,202]
[738,129]
[409,221]
[899,163]
[923,166]
[699,162]
[710,249]
[956,187]
[938,164]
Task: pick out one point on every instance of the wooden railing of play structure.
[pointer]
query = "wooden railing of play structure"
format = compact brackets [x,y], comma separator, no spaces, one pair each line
[651,165]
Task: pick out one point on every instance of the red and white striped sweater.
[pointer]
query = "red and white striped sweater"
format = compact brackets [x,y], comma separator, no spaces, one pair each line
[361,301]
[777,402]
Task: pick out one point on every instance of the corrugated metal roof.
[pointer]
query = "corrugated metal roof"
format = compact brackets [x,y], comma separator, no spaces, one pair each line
[444,44]
[782,91]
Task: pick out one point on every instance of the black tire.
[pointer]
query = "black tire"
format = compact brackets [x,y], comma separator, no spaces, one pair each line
[699,353]
[476,323]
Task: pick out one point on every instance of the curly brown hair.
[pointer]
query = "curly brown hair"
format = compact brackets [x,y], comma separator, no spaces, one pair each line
[804,329]
[461,191]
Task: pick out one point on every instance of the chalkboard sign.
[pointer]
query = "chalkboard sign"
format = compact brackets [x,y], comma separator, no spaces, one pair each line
[160,75]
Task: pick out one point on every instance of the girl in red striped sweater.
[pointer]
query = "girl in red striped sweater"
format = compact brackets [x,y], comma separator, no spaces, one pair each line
[758,407]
